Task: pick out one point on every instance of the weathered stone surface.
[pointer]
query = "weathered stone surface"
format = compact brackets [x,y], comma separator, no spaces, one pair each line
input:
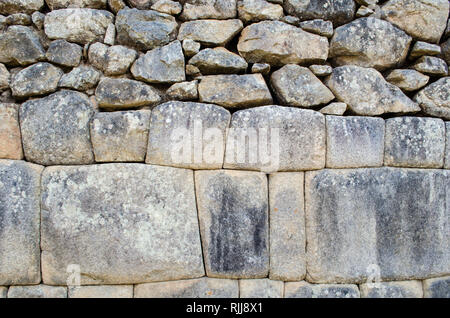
[208,9]
[289,139]
[3,291]
[437,287]
[218,61]
[234,91]
[447,146]
[141,4]
[114,60]
[415,142]
[81,78]
[18,6]
[262,68]
[38,19]
[337,11]
[191,288]
[431,65]
[145,29]
[116,5]
[258,10]
[122,93]
[19,222]
[233,214]
[297,86]
[55,129]
[77,25]
[306,290]
[354,142]
[210,32]
[407,80]
[18,19]
[361,222]
[37,291]
[147,234]
[184,91]
[278,43]
[287,226]
[445,47]
[192,71]
[19,45]
[337,109]
[423,48]
[435,98]
[424,20]
[190,47]
[161,65]
[64,53]
[120,136]
[10,138]
[167,6]
[405,289]
[188,135]
[260,288]
[366,92]
[364,11]
[318,26]
[290,19]
[106,291]
[37,79]
[62,4]
[4,77]
[321,70]
[369,42]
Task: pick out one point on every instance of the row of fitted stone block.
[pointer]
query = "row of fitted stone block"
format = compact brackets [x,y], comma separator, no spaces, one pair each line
[135,223]
[244,288]
[65,129]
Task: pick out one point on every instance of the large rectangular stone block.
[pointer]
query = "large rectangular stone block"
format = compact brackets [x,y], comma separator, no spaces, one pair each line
[19,222]
[402,289]
[104,291]
[385,221]
[119,224]
[306,290]
[260,288]
[233,213]
[287,226]
[37,291]
[438,287]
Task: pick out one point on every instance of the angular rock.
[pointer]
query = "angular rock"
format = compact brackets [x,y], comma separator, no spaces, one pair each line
[145,29]
[19,45]
[183,91]
[10,137]
[364,11]
[105,291]
[318,26]
[120,136]
[210,32]
[144,230]
[77,25]
[297,86]
[161,65]
[437,287]
[337,109]
[116,5]
[258,10]
[55,129]
[337,11]
[141,4]
[281,139]
[306,290]
[18,19]
[218,61]
[3,291]
[18,6]
[366,92]
[80,78]
[192,71]
[62,4]
[114,60]
[233,214]
[321,70]
[431,65]
[168,7]
[287,226]
[37,79]
[234,91]
[424,20]
[278,43]
[188,135]
[405,289]
[416,142]
[262,68]
[4,77]
[370,221]
[191,288]
[435,98]
[445,47]
[354,142]
[407,80]
[121,93]
[64,53]
[37,291]
[19,222]
[289,19]
[369,42]
[38,19]
[190,47]
[110,34]
[260,288]
[208,9]
[423,48]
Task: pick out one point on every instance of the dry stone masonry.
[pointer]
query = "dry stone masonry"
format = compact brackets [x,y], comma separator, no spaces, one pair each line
[224,148]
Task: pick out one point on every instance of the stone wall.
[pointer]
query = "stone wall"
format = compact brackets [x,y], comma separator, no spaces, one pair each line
[251,148]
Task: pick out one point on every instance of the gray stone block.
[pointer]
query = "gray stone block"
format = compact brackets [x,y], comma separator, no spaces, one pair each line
[3,291]
[105,291]
[233,214]
[260,288]
[437,287]
[119,224]
[447,146]
[306,290]
[405,289]
[37,291]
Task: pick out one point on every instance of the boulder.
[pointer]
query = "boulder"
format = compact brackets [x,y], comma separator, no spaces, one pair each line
[423,48]
[80,78]
[336,108]
[318,26]
[19,45]
[168,7]
[435,98]
[113,60]
[258,10]
[210,32]
[208,9]
[62,4]
[64,53]
[183,91]
[407,80]
[20,6]
[218,61]
[431,65]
